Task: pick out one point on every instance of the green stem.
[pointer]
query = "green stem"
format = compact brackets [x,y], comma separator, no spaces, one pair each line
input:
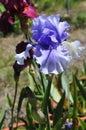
[28,37]
[41,127]
[75,108]
[37,85]
[68,6]
[48,120]
[42,81]
[14,100]
[47,94]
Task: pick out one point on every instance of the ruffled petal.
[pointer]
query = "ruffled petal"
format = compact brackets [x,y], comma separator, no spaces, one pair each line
[38,26]
[52,21]
[74,48]
[43,25]
[52,61]
[62,27]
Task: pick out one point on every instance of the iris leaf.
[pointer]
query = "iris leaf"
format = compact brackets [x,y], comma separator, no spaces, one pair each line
[65,86]
[81,87]
[58,111]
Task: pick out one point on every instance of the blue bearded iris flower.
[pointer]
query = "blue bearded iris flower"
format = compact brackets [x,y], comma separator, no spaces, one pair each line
[49,33]
[52,52]
[46,26]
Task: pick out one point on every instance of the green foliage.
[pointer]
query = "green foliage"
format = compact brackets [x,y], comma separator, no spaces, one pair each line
[57,113]
[46,95]
[60,123]
[29,117]
[80,20]
[83,124]
[9,101]
[54,93]
[84,66]
[21,97]
[81,87]
[2,114]
[75,107]
[2,9]
[66,87]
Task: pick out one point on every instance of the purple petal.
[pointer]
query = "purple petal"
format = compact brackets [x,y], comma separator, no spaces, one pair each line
[63,26]
[47,39]
[43,25]
[53,61]
[38,26]
[54,20]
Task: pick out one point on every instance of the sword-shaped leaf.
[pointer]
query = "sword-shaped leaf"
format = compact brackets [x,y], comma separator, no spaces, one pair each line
[81,87]
[57,114]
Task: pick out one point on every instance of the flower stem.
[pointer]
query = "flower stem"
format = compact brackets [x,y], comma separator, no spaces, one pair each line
[14,100]
[47,94]
[48,121]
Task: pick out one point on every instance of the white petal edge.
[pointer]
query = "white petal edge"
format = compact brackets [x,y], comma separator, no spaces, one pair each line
[23,55]
[74,48]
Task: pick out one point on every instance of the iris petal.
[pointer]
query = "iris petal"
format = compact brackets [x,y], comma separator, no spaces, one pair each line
[38,25]
[53,60]
[23,55]
[74,48]
[45,25]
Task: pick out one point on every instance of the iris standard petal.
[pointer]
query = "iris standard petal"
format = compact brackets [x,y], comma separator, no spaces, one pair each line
[53,20]
[43,25]
[53,23]
[62,27]
[38,26]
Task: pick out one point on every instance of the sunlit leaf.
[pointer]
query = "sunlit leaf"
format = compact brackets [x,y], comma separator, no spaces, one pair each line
[54,93]
[2,7]
[66,87]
